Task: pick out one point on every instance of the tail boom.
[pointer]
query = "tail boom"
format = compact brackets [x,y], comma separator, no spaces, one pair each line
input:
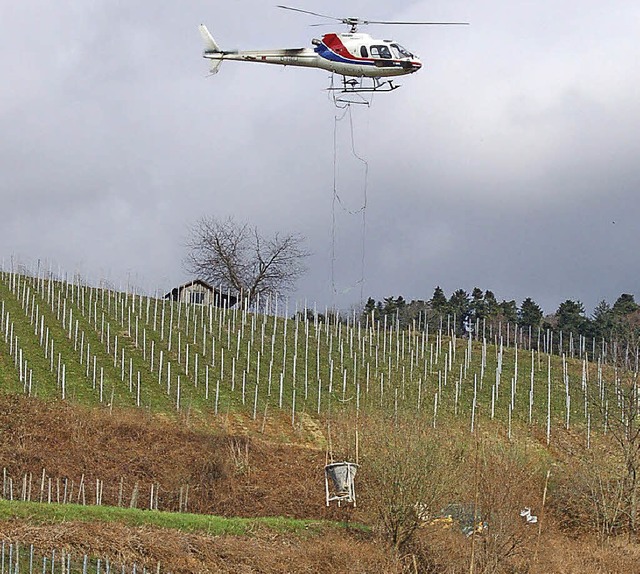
[288,57]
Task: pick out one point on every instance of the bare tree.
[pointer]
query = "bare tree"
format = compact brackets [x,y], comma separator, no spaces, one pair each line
[235,255]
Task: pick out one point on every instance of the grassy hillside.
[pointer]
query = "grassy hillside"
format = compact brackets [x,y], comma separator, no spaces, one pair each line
[102,347]
[39,513]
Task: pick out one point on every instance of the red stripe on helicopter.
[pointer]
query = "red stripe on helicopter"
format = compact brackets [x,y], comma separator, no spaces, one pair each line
[334,43]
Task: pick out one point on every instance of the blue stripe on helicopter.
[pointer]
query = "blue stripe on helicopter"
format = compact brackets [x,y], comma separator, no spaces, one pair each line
[328,54]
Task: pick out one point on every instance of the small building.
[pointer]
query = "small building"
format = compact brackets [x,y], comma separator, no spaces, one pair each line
[201,293]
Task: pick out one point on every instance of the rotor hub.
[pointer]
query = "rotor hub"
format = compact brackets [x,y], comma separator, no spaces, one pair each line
[353,23]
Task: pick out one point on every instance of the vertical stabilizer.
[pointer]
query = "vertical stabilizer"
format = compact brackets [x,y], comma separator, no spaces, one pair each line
[209,43]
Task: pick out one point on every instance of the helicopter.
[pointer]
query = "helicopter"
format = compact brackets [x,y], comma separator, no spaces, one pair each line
[364,62]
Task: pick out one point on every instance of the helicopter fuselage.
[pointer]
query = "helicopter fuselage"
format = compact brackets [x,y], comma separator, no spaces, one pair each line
[354,54]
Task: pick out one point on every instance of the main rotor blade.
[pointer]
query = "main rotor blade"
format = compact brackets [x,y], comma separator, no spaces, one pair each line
[308,12]
[415,23]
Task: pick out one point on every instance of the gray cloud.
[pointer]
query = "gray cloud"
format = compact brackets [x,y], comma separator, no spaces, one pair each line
[503,164]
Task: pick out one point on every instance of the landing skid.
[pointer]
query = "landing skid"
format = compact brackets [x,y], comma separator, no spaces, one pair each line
[350,90]
[362,85]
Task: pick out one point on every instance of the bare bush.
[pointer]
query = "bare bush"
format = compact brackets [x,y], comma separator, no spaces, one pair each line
[509,479]
[410,473]
[589,487]
[599,486]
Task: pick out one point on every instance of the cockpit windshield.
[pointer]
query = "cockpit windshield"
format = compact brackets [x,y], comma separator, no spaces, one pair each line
[399,52]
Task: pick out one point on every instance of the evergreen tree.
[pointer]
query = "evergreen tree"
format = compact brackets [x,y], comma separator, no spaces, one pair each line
[439,301]
[369,310]
[509,311]
[570,316]
[625,305]
[625,316]
[393,306]
[389,307]
[477,304]
[460,307]
[530,314]
[491,306]
[369,306]
[459,303]
[603,321]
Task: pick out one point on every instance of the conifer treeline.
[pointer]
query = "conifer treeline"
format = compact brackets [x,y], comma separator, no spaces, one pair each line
[609,322]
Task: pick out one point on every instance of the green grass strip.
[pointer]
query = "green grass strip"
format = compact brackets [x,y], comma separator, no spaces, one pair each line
[41,513]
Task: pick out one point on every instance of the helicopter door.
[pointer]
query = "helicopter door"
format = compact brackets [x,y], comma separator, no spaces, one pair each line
[381,53]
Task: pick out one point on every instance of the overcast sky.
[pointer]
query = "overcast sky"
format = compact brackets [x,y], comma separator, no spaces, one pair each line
[509,162]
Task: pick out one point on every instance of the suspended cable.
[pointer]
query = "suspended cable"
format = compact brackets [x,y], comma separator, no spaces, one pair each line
[345,106]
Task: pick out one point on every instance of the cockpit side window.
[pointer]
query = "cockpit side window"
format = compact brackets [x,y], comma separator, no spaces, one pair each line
[381,52]
[363,52]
